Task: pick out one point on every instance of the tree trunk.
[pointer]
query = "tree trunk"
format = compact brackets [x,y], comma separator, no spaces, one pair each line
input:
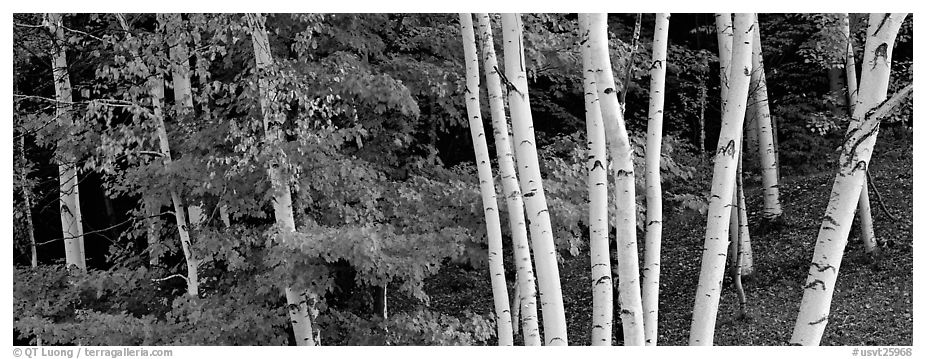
[864,206]
[741,234]
[551,296]
[380,306]
[653,242]
[628,267]
[486,184]
[599,243]
[837,91]
[27,198]
[156,87]
[69,192]
[628,68]
[298,301]
[772,206]
[739,229]
[152,208]
[726,161]
[853,163]
[526,286]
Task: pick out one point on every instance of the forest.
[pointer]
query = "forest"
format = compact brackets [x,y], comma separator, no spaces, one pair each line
[462,179]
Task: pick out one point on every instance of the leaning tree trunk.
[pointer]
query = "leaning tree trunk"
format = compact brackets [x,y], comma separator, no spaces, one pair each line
[180,69]
[526,290]
[717,237]
[853,163]
[653,241]
[866,223]
[486,184]
[69,193]
[156,87]
[298,300]
[628,267]
[183,98]
[535,201]
[772,205]
[599,244]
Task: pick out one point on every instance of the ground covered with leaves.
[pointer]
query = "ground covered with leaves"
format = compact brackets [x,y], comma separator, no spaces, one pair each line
[872,304]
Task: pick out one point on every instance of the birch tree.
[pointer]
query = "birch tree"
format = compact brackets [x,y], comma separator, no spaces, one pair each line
[866,225]
[486,184]
[772,205]
[599,242]
[297,300]
[69,191]
[853,162]
[653,241]
[155,87]
[525,291]
[628,267]
[535,202]
[717,236]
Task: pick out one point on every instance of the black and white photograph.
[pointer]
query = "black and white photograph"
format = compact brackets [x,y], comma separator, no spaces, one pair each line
[274,179]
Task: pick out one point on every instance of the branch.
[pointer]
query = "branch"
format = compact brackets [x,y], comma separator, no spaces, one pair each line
[886,107]
[103,229]
[171,277]
[871,184]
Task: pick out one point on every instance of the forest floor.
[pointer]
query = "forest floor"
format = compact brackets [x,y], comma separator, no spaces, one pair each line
[872,304]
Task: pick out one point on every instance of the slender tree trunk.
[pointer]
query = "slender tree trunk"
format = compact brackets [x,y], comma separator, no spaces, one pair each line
[69,193]
[745,263]
[837,91]
[516,305]
[634,42]
[599,243]
[27,198]
[223,214]
[702,105]
[724,24]
[156,87]
[653,241]
[486,184]
[739,229]
[298,301]
[183,98]
[551,295]
[853,163]
[864,206]
[526,286]
[726,160]
[767,158]
[380,306]
[628,267]
[739,253]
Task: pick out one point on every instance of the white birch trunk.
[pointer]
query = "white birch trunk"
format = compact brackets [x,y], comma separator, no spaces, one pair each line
[156,87]
[866,223]
[297,300]
[628,266]
[853,162]
[526,289]
[717,237]
[767,158]
[486,184]
[27,198]
[653,240]
[551,295]
[69,193]
[599,243]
